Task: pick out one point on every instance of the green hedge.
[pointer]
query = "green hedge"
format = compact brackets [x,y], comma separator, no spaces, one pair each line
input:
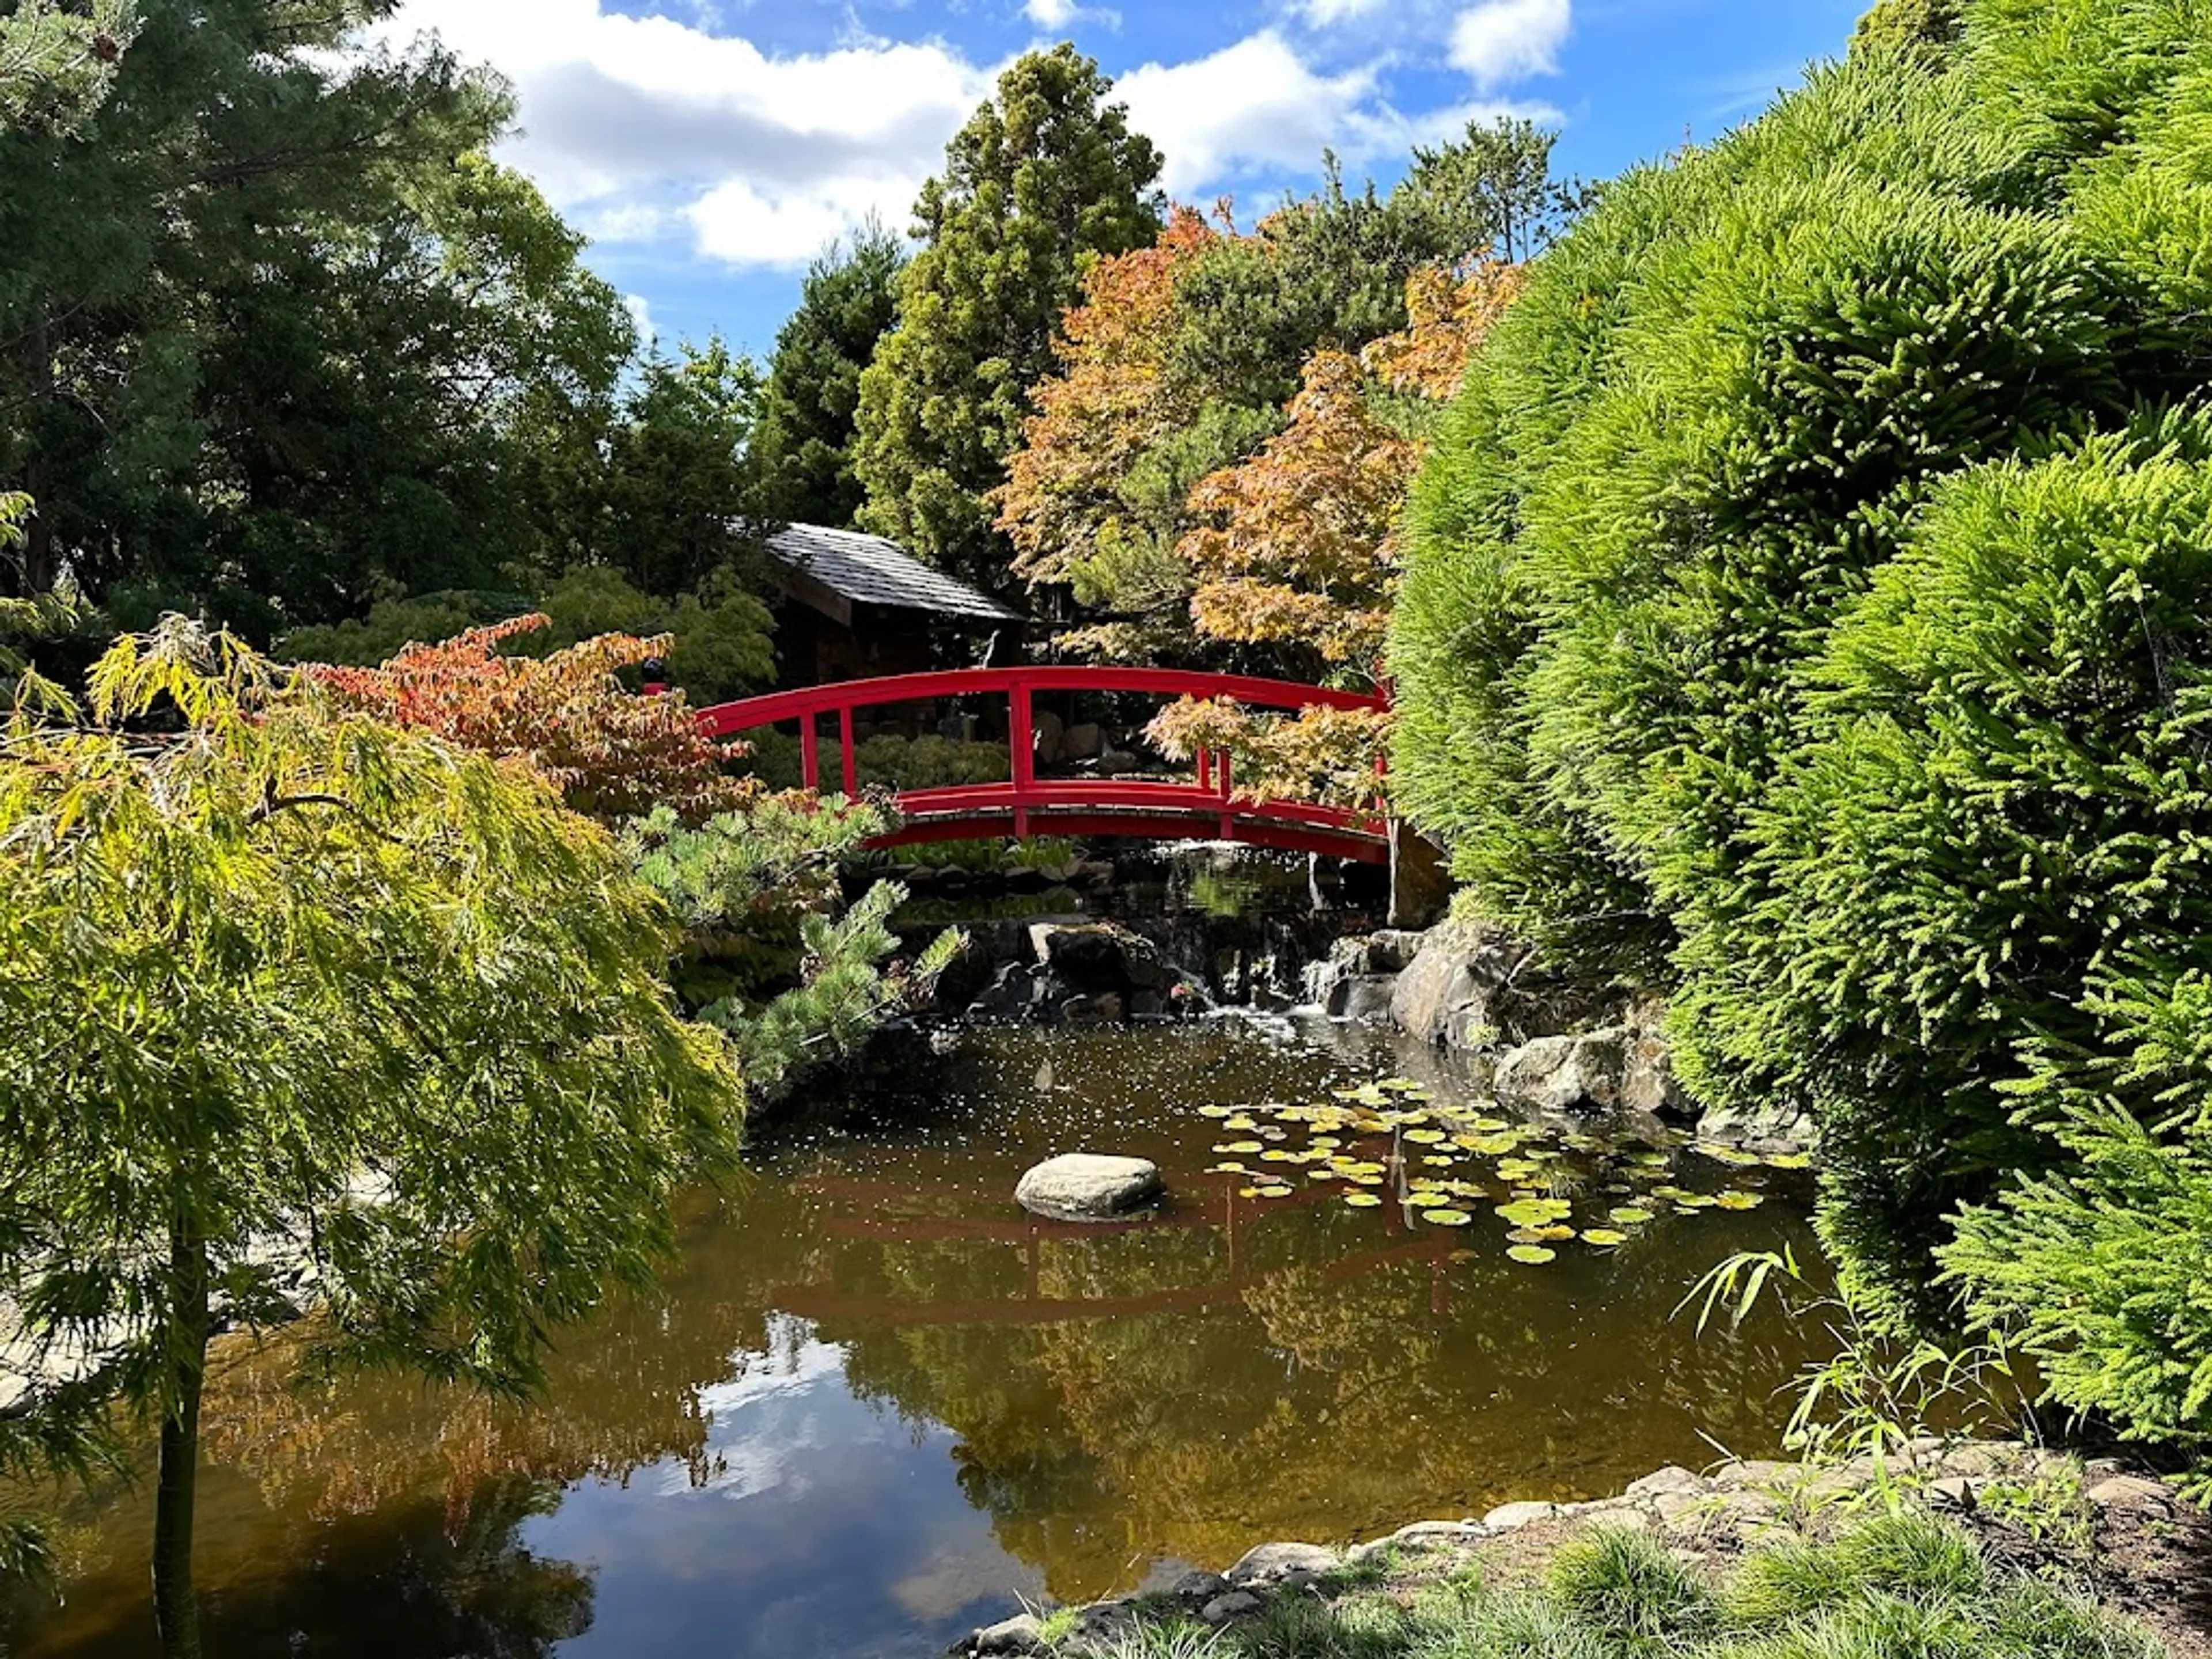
[1803,617]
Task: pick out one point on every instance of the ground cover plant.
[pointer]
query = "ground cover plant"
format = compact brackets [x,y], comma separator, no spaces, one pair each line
[1804,618]
[1902,1584]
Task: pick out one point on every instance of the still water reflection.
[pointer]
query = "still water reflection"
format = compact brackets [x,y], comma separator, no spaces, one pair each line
[876,1404]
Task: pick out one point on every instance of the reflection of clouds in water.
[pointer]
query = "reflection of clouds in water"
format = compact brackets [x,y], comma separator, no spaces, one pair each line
[960,1568]
[851,1539]
[766,1425]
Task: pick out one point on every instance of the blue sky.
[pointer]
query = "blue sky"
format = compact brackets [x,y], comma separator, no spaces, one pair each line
[711,146]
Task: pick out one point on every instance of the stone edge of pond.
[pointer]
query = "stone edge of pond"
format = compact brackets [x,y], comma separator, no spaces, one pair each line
[1716,1514]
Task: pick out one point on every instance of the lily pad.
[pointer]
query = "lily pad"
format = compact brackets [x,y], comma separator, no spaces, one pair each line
[1629,1216]
[1239,1146]
[1789,1161]
[1739,1201]
[1604,1236]
[1362,1200]
[1723,1154]
[1535,1212]
[1425,1137]
[1534,1255]
[1275,1192]
[1446,1217]
[1215,1111]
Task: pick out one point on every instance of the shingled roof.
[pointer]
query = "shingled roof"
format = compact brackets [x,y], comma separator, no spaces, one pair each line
[870,570]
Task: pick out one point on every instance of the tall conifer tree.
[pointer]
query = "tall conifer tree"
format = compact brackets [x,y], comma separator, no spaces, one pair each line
[1045,173]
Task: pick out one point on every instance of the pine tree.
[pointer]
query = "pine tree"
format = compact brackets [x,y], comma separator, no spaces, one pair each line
[1044,175]
[803,446]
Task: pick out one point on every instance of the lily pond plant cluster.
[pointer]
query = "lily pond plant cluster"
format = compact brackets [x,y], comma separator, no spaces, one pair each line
[1392,1142]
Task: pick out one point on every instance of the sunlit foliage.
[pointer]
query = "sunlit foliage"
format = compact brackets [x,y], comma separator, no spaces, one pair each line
[612,753]
[275,970]
[1803,615]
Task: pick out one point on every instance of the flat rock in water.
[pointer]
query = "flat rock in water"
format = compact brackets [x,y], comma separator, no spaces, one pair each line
[1084,1186]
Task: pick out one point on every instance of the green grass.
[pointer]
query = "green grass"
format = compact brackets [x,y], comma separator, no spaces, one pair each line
[1898,1586]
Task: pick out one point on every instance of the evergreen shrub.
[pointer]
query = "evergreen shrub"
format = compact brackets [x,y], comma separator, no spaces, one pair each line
[1806,617]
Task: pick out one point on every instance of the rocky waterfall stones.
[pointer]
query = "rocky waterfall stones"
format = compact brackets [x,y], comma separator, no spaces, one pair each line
[1085,1187]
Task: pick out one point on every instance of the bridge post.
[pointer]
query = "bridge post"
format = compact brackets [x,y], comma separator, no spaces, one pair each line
[1021,743]
[810,754]
[845,748]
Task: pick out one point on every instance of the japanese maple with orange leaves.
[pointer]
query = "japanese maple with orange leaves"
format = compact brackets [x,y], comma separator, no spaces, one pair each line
[611,753]
[1300,543]
[1110,403]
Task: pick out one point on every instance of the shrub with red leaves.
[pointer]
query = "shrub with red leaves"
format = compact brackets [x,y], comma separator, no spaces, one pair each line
[611,753]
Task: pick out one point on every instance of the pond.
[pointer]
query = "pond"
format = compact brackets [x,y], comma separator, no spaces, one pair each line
[876,1404]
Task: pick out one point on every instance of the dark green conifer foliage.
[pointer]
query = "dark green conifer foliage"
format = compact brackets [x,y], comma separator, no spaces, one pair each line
[1043,174]
[805,444]
[270,325]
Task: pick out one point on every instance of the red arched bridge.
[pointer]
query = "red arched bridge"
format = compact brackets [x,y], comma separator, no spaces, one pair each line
[1205,807]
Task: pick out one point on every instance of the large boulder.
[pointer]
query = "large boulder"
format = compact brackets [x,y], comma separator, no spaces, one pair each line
[1363,998]
[1095,956]
[1455,990]
[1473,988]
[1565,1074]
[1615,1068]
[1085,1187]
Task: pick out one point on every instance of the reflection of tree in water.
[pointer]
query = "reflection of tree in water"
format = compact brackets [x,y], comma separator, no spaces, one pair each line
[1242,1369]
[1353,1380]
[413,1580]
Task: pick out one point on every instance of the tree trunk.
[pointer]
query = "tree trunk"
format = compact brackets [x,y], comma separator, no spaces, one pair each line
[176,1603]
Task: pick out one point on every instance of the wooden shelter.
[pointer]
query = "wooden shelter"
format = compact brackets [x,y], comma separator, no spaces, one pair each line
[857,606]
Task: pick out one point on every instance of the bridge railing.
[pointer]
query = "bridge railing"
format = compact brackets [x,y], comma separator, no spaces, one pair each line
[1088,805]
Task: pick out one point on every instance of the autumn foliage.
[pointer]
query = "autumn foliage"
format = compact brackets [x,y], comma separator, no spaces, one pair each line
[1112,402]
[610,753]
[1299,545]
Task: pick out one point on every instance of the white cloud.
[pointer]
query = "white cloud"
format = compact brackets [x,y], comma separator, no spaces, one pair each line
[1051,14]
[654,131]
[1502,41]
[646,126]
[1257,107]
[1327,14]
[641,317]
